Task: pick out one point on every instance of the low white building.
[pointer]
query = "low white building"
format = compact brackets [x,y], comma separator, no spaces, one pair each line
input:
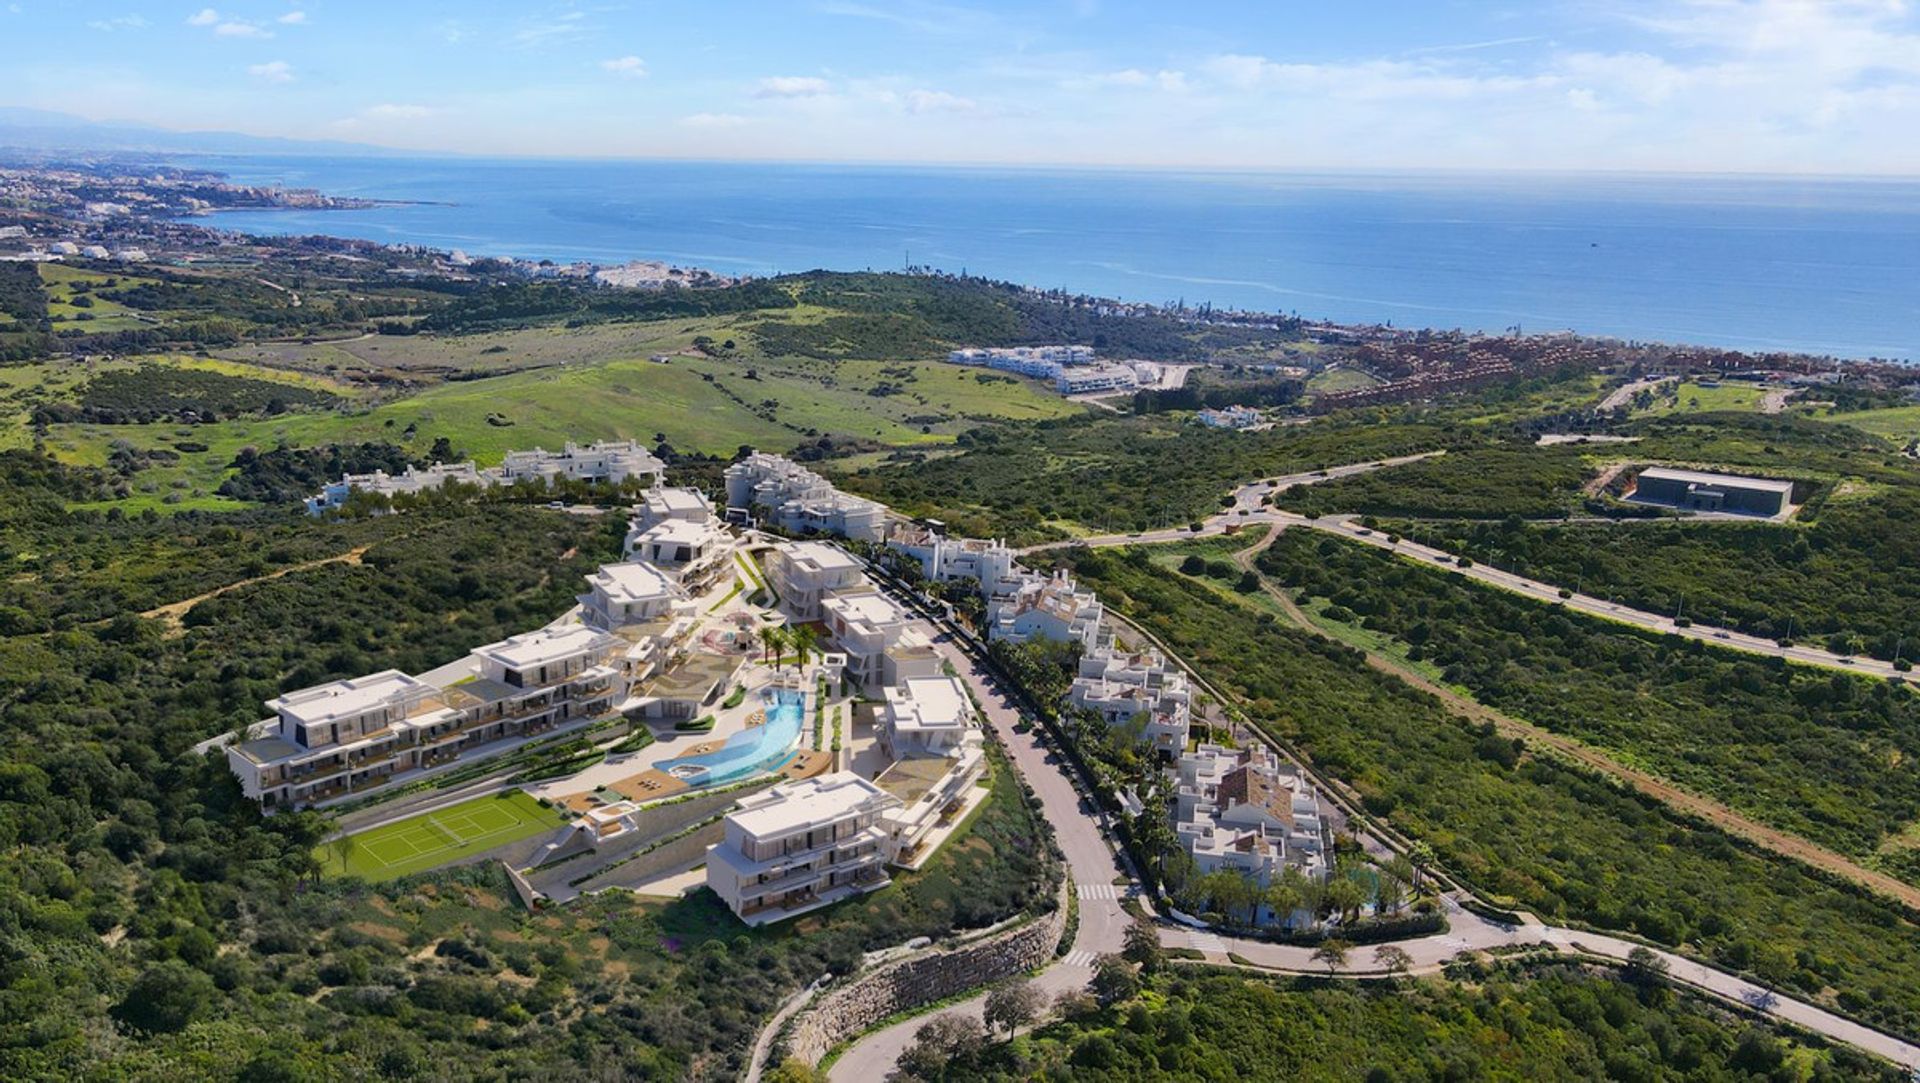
[1126,687]
[881,643]
[944,559]
[1029,605]
[1245,810]
[635,592]
[926,716]
[676,531]
[410,480]
[783,494]
[1230,417]
[802,845]
[1096,378]
[611,461]
[805,573]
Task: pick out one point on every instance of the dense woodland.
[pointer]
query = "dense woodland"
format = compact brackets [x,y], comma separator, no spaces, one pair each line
[153,393]
[156,924]
[1512,1022]
[1821,754]
[1566,844]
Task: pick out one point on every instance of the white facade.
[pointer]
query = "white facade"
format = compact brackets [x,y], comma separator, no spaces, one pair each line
[943,559]
[1125,687]
[1092,378]
[611,461]
[1243,809]
[881,643]
[1041,362]
[801,845]
[631,593]
[926,716]
[789,496]
[1230,417]
[411,480]
[676,531]
[804,574]
[1031,605]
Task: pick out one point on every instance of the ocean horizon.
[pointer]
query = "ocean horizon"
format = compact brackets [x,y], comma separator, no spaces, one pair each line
[1802,264]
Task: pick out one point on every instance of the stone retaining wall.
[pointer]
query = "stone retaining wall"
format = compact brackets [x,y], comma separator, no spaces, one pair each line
[905,984]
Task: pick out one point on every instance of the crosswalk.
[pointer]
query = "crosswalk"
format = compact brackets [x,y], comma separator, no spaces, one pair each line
[1080,957]
[1100,891]
[1206,943]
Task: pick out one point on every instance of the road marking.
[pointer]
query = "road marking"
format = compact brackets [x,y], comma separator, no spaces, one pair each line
[1099,891]
[1081,958]
[1207,943]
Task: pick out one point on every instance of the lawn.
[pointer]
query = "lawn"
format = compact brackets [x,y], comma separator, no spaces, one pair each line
[1900,423]
[1693,398]
[1339,379]
[433,839]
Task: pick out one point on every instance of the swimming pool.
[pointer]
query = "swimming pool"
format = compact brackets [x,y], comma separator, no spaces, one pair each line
[753,750]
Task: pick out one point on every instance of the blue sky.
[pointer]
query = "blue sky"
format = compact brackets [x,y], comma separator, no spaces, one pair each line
[1821,86]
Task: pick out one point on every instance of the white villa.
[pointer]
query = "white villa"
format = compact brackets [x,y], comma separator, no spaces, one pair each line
[610,461]
[943,559]
[804,574]
[1031,605]
[800,846]
[1123,686]
[882,646]
[676,531]
[632,593]
[1243,809]
[930,730]
[787,495]
[926,716]
[1230,417]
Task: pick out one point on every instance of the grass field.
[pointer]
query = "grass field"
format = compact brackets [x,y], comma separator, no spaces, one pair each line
[432,839]
[106,315]
[1900,423]
[1339,379]
[1691,398]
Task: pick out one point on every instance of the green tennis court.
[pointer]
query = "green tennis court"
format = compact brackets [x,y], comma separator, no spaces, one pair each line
[432,839]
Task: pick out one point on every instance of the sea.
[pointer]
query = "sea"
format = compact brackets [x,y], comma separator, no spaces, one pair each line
[1816,265]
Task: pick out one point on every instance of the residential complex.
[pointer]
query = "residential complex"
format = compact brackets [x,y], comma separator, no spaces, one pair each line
[944,560]
[882,645]
[1027,605]
[1246,810]
[612,461]
[1230,417]
[1127,687]
[1041,362]
[802,845]
[676,531]
[783,494]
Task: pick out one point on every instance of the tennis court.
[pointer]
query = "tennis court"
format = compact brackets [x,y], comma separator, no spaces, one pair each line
[432,839]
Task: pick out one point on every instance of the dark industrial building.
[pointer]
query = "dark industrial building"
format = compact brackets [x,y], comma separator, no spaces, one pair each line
[1695,491]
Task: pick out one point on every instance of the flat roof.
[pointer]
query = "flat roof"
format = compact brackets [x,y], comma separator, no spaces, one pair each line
[678,530]
[677,500]
[545,645]
[820,554]
[631,581]
[930,702]
[345,699]
[1696,477]
[808,803]
[869,606]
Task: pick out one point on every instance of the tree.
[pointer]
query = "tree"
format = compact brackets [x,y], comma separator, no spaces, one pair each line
[804,640]
[1645,967]
[1012,1005]
[1114,981]
[1143,946]
[1422,857]
[1393,959]
[1074,1004]
[1193,565]
[1345,897]
[1332,954]
[940,1041]
[164,998]
[794,1070]
[773,641]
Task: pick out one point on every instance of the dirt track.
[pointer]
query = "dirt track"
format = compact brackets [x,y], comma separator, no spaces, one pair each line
[172,612]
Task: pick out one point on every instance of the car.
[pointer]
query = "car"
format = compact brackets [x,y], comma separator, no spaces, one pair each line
[1721,635]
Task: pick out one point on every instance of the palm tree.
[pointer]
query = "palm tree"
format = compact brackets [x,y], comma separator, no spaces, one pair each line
[773,641]
[804,639]
[1422,856]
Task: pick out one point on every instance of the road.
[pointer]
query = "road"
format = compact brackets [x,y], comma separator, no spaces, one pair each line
[1623,395]
[1094,867]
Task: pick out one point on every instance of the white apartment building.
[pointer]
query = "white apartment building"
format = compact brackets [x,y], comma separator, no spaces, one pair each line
[1031,605]
[1093,378]
[611,461]
[881,645]
[1125,687]
[411,480]
[944,559]
[805,573]
[1042,362]
[926,716]
[801,845]
[1243,809]
[786,495]
[676,531]
[1230,417]
[619,595]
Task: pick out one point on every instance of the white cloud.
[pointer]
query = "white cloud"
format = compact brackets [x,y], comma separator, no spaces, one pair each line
[293,18]
[713,120]
[205,17]
[792,86]
[118,22]
[939,101]
[627,67]
[237,29]
[273,71]
[1165,79]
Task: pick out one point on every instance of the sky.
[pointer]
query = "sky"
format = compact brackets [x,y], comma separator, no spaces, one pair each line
[1775,86]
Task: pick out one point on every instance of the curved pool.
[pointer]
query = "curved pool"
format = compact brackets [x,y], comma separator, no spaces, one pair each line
[759,748]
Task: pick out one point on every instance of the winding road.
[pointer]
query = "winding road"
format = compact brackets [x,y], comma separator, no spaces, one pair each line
[1102,882]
